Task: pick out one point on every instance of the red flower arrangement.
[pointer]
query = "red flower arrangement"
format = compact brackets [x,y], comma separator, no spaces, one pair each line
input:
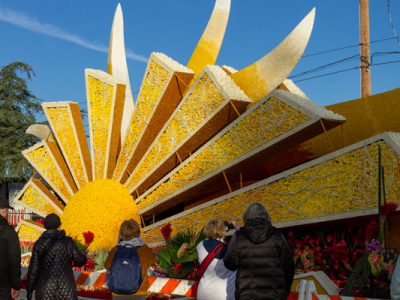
[40,221]
[387,208]
[89,236]
[333,255]
[166,231]
[158,297]
[97,294]
[370,230]
[178,268]
[26,244]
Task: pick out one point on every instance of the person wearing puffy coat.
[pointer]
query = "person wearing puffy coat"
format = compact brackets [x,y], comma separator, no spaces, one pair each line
[51,269]
[261,256]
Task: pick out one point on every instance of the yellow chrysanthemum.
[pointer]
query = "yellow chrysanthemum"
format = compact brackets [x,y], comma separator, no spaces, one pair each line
[100,207]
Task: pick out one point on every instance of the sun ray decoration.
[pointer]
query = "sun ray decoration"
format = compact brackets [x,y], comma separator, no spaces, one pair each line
[205,110]
[185,116]
[66,121]
[340,185]
[272,126]
[265,75]
[38,199]
[105,96]
[162,89]
[207,49]
[29,230]
[118,68]
[47,160]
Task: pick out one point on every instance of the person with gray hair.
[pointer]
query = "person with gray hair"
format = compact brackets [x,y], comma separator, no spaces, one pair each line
[261,256]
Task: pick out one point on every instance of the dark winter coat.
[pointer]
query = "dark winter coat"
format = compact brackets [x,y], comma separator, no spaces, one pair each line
[52,271]
[10,257]
[264,263]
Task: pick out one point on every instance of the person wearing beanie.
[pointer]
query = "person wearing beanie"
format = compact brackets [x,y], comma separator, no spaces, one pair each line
[50,268]
[10,256]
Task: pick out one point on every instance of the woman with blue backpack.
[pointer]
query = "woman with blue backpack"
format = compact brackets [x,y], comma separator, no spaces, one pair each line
[127,264]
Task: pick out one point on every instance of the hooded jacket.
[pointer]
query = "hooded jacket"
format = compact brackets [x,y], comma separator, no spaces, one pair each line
[51,271]
[10,253]
[264,263]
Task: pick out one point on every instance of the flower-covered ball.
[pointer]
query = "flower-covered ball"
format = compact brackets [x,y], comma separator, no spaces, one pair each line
[100,207]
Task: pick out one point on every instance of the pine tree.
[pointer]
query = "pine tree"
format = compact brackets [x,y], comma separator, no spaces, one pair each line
[18,110]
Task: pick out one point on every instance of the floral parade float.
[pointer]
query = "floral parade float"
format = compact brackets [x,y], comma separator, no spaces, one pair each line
[215,139]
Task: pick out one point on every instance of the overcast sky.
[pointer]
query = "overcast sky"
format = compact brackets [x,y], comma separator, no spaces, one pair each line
[59,39]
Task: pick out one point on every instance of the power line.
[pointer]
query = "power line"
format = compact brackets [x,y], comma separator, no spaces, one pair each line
[383,54]
[326,66]
[327,74]
[355,68]
[356,45]
[391,23]
[385,63]
[354,57]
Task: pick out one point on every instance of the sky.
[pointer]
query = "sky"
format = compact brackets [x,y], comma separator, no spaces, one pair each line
[60,39]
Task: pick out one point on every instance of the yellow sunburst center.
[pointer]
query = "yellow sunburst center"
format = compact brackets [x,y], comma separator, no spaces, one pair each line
[100,207]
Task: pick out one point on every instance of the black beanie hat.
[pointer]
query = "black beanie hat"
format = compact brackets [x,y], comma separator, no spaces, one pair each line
[52,221]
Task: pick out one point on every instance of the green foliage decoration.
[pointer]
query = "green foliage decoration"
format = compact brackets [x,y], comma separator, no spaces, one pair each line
[169,256]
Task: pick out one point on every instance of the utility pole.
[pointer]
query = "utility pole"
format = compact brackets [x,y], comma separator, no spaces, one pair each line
[365,49]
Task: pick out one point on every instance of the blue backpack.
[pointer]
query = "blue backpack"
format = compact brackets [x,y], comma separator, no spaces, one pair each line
[125,275]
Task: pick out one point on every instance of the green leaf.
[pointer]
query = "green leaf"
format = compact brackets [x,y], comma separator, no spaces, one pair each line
[363,269]
[185,259]
[390,268]
[81,247]
[165,258]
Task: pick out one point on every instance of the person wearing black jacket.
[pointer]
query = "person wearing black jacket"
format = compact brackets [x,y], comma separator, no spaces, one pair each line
[261,256]
[50,268]
[10,256]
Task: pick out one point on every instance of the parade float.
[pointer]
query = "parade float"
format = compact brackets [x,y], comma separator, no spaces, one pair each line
[203,142]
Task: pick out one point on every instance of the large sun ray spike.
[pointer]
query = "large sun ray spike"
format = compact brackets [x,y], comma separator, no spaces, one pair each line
[118,68]
[262,77]
[275,124]
[48,161]
[38,199]
[211,104]
[29,231]
[207,49]
[105,97]
[340,185]
[164,84]
[66,123]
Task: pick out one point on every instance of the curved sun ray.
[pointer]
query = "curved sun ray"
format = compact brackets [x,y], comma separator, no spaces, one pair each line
[118,68]
[265,75]
[38,199]
[66,123]
[40,131]
[207,49]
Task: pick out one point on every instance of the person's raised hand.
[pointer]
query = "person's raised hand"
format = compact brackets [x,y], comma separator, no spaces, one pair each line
[236,225]
[14,294]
